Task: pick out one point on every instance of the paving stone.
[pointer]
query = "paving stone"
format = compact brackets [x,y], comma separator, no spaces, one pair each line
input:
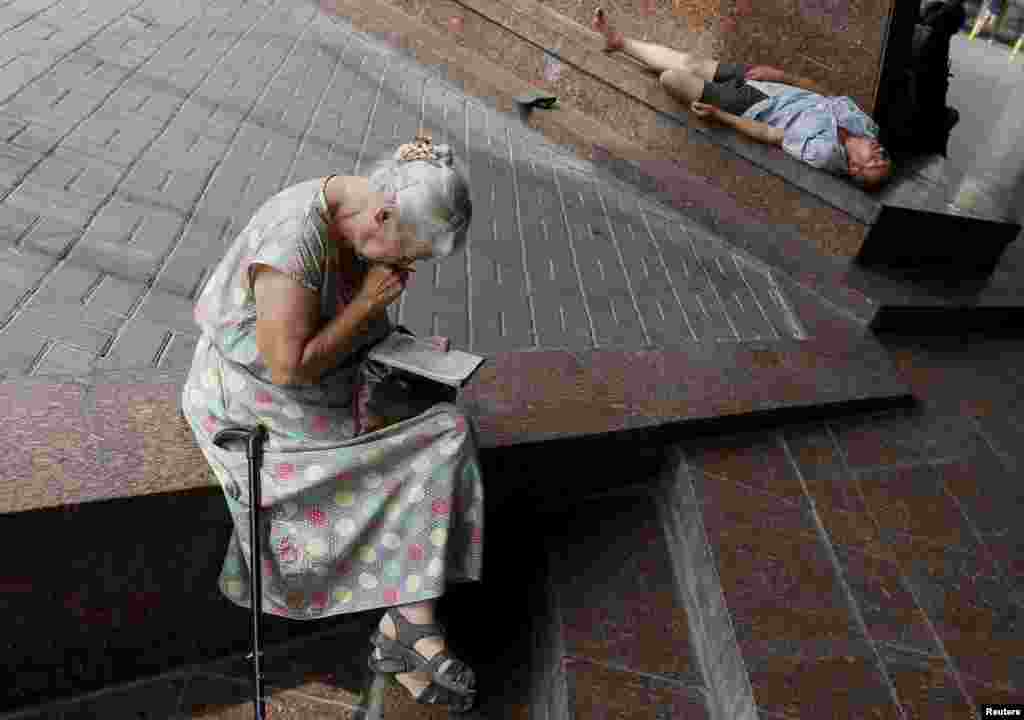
[500,309]
[80,173]
[701,303]
[118,140]
[9,127]
[973,617]
[14,222]
[756,460]
[562,320]
[983,489]
[164,187]
[58,110]
[872,441]
[795,686]
[650,284]
[65,326]
[885,601]
[925,685]
[23,268]
[139,344]
[66,206]
[595,689]
[51,237]
[779,310]
[115,258]
[64,359]
[15,75]
[16,163]
[180,352]
[136,226]
[395,120]
[67,284]
[179,148]
[912,501]
[609,300]
[20,346]
[11,296]
[44,130]
[115,296]
[254,166]
[169,311]
[149,103]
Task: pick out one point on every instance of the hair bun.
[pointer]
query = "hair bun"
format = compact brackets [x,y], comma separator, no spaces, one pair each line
[423,148]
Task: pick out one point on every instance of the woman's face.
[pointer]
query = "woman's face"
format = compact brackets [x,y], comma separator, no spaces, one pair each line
[382,237]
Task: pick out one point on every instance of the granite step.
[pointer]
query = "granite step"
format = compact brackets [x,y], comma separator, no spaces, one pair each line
[752,582]
[617,638]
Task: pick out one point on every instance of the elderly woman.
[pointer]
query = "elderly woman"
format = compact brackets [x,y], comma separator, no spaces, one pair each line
[361,514]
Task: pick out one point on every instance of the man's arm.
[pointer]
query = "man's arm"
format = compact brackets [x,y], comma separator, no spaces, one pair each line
[762,132]
[805,83]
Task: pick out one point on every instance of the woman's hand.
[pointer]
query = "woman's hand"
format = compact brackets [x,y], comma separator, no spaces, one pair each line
[381,287]
[703,110]
[765,73]
[440,343]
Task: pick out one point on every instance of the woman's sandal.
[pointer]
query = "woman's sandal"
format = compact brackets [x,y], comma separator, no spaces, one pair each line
[456,687]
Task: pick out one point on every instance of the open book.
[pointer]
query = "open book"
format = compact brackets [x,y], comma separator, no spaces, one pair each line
[419,357]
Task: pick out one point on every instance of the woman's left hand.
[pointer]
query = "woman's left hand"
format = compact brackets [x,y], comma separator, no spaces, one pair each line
[440,343]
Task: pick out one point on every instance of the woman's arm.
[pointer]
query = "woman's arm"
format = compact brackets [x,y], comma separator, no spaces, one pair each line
[287,315]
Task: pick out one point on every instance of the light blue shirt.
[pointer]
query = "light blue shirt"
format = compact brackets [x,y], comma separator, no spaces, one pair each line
[811,123]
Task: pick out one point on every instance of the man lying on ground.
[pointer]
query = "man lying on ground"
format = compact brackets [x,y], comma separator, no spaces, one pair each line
[767,105]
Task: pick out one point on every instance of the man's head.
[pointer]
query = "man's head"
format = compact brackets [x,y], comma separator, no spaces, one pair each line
[419,207]
[869,164]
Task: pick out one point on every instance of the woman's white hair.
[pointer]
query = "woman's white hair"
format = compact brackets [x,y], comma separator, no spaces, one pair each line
[432,195]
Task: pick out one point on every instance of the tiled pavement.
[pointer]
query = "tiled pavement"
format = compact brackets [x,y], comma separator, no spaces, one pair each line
[138,140]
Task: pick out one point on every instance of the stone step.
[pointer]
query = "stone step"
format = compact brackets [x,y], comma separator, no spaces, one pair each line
[746,584]
[618,639]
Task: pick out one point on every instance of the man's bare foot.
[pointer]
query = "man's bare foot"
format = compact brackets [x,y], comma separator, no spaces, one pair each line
[600,24]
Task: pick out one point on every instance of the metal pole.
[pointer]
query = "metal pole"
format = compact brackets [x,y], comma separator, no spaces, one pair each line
[254,453]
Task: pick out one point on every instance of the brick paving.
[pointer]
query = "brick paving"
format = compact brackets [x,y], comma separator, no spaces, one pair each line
[138,140]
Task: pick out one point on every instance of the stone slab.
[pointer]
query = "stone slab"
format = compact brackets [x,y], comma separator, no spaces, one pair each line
[542,395]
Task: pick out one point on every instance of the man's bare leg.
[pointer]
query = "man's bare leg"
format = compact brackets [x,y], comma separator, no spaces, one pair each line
[682,85]
[657,57]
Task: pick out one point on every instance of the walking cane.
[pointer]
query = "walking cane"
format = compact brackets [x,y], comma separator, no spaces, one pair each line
[254,439]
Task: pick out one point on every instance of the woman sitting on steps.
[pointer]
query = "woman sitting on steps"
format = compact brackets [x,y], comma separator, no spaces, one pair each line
[363,515]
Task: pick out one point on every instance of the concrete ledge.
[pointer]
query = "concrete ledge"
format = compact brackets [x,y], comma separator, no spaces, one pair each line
[121,434]
[544,395]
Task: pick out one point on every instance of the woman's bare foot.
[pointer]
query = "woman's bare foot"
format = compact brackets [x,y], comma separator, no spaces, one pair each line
[600,24]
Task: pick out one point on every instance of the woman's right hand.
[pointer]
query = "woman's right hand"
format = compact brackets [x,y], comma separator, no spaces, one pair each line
[382,286]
